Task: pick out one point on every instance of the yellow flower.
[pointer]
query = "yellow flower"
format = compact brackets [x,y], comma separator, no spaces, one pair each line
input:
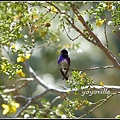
[83,75]
[102,83]
[6,109]
[76,18]
[77,107]
[67,46]
[22,58]
[10,108]
[53,9]
[3,66]
[20,73]
[35,16]
[100,22]
[16,17]
[109,6]
[35,28]
[13,46]
[27,56]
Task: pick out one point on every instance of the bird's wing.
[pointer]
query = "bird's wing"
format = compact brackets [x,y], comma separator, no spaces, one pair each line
[69,61]
[67,68]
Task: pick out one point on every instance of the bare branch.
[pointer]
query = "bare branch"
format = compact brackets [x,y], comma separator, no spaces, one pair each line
[7,52]
[55,99]
[95,68]
[53,17]
[68,34]
[81,33]
[105,32]
[43,45]
[38,79]
[11,89]
[23,108]
[15,89]
[30,101]
[40,18]
[20,96]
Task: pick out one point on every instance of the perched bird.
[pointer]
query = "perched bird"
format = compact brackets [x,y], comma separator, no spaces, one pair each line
[64,64]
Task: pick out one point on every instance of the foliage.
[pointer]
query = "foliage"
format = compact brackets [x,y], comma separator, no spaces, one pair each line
[79,80]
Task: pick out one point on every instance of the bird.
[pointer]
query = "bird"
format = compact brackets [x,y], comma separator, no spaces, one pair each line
[64,64]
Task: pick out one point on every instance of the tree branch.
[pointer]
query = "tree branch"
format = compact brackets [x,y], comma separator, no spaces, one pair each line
[94,68]
[106,34]
[10,90]
[99,44]
[68,34]
[64,92]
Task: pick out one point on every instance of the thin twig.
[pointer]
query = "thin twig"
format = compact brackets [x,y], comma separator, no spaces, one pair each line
[105,34]
[53,17]
[7,52]
[43,45]
[15,89]
[11,89]
[104,100]
[68,34]
[95,68]
[55,99]
[21,96]
[30,101]
[23,108]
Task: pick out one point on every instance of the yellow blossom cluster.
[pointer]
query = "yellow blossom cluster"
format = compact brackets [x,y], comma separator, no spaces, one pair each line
[10,107]
[100,22]
[83,75]
[22,58]
[20,72]
[3,67]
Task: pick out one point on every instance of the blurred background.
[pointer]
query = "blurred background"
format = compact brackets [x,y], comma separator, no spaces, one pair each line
[44,63]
